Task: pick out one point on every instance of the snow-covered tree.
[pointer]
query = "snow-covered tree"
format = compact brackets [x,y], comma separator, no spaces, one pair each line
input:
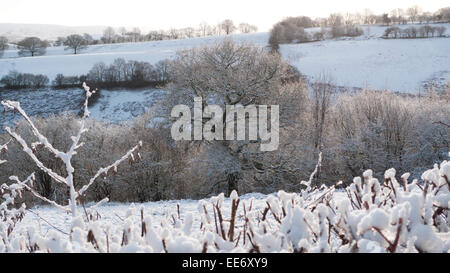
[32,46]
[247,28]
[108,35]
[238,74]
[3,44]
[413,13]
[227,26]
[66,157]
[75,42]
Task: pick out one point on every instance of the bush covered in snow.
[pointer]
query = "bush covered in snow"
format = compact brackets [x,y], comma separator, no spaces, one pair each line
[66,177]
[367,216]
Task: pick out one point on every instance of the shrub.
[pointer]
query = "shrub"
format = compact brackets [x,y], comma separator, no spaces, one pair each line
[62,81]
[368,215]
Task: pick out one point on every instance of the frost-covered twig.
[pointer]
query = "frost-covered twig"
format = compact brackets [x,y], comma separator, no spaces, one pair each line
[48,223]
[4,150]
[65,157]
[42,139]
[106,169]
[30,153]
[313,174]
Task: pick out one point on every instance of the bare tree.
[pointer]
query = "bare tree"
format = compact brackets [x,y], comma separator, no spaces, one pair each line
[227,26]
[335,19]
[204,29]
[443,15]
[323,90]
[440,31]
[174,33]
[123,31]
[189,32]
[75,42]
[349,18]
[88,38]
[247,28]
[59,41]
[386,19]
[33,46]
[276,37]
[233,74]
[367,14]
[3,44]
[413,13]
[108,35]
[136,34]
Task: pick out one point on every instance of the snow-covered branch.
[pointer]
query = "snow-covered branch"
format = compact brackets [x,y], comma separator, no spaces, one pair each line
[65,157]
[4,150]
[113,166]
[393,217]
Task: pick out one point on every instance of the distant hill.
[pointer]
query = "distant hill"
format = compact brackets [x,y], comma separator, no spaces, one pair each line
[15,32]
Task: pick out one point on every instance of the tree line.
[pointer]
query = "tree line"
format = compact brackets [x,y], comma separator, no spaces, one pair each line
[292,29]
[426,31]
[120,73]
[34,46]
[122,35]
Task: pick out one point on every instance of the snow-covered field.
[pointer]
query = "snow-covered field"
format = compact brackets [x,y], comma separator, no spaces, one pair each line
[370,215]
[400,65]
[115,106]
[116,212]
[124,105]
[57,60]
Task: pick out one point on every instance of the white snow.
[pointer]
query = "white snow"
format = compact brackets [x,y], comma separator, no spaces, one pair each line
[114,212]
[399,65]
[367,61]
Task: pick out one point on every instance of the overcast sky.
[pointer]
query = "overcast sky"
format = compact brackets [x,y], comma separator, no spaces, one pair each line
[165,14]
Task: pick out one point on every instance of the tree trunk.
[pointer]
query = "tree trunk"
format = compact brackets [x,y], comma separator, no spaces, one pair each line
[232,180]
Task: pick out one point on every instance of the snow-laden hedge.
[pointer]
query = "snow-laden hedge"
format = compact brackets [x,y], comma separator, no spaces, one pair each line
[369,215]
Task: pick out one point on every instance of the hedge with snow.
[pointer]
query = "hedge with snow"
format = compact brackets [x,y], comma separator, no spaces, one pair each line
[369,215]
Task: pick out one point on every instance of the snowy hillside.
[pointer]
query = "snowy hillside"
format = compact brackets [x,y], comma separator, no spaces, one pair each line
[351,201]
[57,60]
[400,65]
[114,106]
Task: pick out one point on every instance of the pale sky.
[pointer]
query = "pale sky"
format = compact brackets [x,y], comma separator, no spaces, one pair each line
[165,14]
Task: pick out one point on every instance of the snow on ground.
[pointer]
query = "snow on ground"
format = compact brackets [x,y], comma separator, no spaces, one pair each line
[57,60]
[115,212]
[124,105]
[401,64]
[405,65]
[42,102]
[115,106]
